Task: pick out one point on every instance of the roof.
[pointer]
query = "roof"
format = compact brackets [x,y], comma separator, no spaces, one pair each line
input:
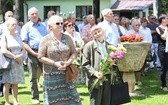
[131,4]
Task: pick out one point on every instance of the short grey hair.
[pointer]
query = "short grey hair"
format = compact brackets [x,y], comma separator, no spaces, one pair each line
[135,21]
[52,20]
[10,20]
[32,9]
[105,11]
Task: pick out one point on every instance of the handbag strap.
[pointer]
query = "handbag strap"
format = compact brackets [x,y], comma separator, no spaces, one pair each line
[116,69]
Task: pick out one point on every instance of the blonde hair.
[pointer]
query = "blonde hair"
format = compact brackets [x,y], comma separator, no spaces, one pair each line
[10,21]
[94,28]
[52,20]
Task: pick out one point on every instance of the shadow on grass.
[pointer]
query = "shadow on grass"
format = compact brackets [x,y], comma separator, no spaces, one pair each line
[151,86]
[22,87]
[81,86]
[25,92]
[28,92]
[2,103]
[84,94]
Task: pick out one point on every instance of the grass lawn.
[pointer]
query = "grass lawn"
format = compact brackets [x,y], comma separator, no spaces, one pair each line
[151,92]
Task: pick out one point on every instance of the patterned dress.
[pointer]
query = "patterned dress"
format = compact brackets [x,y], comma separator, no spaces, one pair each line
[16,74]
[56,91]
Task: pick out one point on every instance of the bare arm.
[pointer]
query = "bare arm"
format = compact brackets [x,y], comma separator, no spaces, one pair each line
[29,50]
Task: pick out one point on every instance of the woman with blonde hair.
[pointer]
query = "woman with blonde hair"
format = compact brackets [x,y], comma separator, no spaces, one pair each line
[56,52]
[11,46]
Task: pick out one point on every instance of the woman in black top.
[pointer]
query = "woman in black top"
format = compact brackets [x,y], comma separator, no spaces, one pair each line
[162,31]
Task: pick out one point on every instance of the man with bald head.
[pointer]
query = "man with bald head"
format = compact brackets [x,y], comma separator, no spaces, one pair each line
[31,34]
[49,14]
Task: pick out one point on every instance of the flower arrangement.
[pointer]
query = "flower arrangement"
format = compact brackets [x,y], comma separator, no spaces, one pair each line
[131,38]
[113,54]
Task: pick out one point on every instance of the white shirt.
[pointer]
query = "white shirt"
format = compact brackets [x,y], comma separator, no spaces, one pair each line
[146,34]
[77,40]
[111,32]
[102,49]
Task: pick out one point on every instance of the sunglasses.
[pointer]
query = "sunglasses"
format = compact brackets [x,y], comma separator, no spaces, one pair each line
[116,19]
[69,25]
[152,18]
[59,23]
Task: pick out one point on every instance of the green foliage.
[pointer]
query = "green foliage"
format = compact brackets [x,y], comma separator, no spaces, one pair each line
[163,6]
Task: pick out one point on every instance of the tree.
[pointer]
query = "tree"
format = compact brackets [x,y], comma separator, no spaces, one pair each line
[18,10]
[96,8]
[13,5]
[6,5]
[163,9]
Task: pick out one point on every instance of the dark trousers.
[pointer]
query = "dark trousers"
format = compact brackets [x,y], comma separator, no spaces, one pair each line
[102,94]
[164,66]
[33,64]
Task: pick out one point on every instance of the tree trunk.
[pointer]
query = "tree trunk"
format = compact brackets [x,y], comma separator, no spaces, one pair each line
[96,8]
[6,6]
[18,12]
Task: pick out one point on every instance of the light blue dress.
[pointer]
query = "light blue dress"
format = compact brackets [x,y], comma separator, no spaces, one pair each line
[16,74]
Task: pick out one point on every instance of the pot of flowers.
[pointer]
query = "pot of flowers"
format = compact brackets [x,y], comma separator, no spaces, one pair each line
[134,59]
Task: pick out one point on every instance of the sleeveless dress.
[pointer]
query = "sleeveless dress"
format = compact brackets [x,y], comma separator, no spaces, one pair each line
[56,90]
[16,74]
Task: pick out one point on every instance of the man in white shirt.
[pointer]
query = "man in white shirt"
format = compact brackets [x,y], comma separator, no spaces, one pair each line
[110,28]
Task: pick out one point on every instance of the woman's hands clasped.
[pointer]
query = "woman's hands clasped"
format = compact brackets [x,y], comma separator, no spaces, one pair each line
[18,58]
[61,65]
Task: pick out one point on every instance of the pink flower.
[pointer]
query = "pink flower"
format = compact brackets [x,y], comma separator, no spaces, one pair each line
[112,55]
[119,54]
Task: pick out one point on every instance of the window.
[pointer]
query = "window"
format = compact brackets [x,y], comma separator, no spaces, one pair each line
[83,11]
[48,8]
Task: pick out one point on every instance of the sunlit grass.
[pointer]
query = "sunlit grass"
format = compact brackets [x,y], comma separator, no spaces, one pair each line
[151,92]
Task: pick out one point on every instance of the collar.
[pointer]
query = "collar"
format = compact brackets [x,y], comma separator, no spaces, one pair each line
[33,24]
[95,45]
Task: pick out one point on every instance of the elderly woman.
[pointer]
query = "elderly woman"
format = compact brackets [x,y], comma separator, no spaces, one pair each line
[136,23]
[93,52]
[69,30]
[11,46]
[56,52]
[162,31]
[78,42]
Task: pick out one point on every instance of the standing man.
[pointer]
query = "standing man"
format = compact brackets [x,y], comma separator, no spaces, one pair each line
[31,33]
[86,32]
[152,25]
[110,28]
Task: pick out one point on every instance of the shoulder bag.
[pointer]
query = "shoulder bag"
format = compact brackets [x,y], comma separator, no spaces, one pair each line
[4,61]
[119,89]
[71,72]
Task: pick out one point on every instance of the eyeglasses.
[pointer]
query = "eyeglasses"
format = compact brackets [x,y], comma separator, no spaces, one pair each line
[59,23]
[10,16]
[116,19]
[152,18]
[69,25]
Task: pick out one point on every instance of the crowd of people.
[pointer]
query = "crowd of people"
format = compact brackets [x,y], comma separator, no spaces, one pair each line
[49,47]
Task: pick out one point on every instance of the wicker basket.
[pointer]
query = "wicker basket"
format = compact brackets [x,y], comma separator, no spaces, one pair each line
[134,59]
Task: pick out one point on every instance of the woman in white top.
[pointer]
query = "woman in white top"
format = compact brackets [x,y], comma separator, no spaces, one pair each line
[69,30]
[145,30]
[135,28]
[78,42]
